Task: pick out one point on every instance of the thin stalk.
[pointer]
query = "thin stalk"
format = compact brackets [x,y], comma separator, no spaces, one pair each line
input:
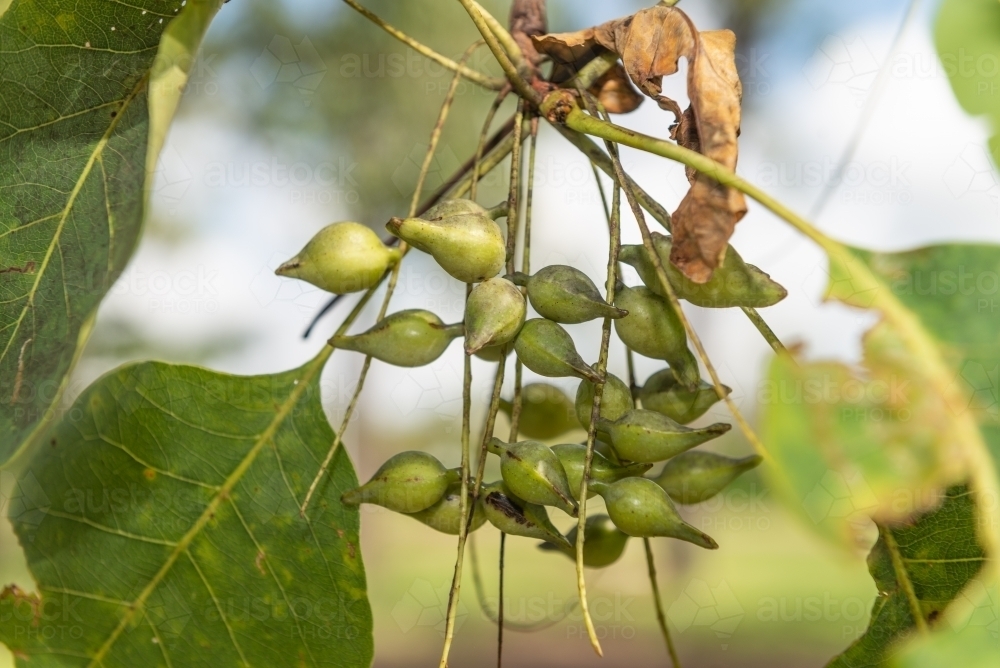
[492,83]
[658,601]
[456,583]
[523,88]
[503,545]
[393,279]
[529,198]
[903,578]
[506,40]
[924,350]
[764,329]
[595,412]
[513,195]
[477,159]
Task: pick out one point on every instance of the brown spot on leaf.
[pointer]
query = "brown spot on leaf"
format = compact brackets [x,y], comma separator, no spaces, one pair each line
[259,563]
[149,474]
[350,549]
[28,268]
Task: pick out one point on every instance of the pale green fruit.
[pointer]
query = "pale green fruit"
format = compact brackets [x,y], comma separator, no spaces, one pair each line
[494,314]
[573,457]
[653,329]
[734,283]
[693,477]
[461,237]
[603,544]
[341,258]
[565,294]
[492,353]
[648,436]
[407,338]
[616,400]
[548,350]
[446,515]
[640,508]
[545,412]
[663,394]
[517,517]
[406,483]
[533,473]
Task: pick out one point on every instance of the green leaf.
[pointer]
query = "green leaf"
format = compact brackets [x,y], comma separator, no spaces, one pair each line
[74,128]
[848,444]
[921,567]
[161,523]
[967,35]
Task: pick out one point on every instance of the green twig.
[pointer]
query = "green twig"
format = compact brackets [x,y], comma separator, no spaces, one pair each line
[658,602]
[523,88]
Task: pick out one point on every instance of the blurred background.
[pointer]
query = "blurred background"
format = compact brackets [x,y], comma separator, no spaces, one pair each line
[300,113]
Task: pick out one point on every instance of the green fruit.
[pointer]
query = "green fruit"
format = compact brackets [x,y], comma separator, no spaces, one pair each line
[341,258]
[407,483]
[494,314]
[663,394]
[573,457]
[533,472]
[734,283]
[603,544]
[545,412]
[648,436]
[653,329]
[616,400]
[518,518]
[406,338]
[446,515]
[461,237]
[693,477]
[548,350]
[565,294]
[640,508]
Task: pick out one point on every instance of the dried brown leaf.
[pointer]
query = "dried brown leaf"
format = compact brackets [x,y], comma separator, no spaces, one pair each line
[615,91]
[650,43]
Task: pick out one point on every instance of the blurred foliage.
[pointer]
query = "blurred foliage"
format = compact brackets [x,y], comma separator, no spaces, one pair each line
[377,101]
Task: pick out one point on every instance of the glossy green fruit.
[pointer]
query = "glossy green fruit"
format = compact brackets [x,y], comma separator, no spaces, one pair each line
[603,544]
[573,457]
[446,515]
[565,294]
[407,338]
[341,258]
[548,350]
[735,283]
[533,473]
[653,329]
[546,412]
[494,314]
[518,518]
[693,477]
[640,508]
[616,400]
[648,436]
[461,237]
[663,394]
[406,483]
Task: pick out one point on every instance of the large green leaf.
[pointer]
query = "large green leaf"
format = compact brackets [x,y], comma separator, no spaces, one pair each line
[74,129]
[161,523]
[967,34]
[935,557]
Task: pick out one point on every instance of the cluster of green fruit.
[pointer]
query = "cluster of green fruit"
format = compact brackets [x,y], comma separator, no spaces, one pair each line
[468,244]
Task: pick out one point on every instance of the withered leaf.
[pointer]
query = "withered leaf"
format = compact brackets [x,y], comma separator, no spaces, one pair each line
[616,92]
[650,43]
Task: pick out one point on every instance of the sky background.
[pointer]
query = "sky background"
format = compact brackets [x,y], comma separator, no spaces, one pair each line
[273,141]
